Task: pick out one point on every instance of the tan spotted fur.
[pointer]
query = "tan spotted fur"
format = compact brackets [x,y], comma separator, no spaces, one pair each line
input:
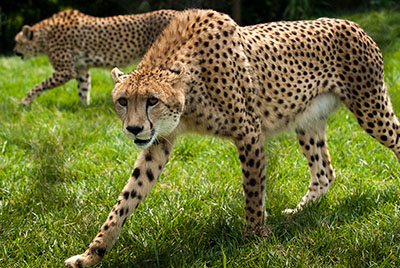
[207,74]
[75,42]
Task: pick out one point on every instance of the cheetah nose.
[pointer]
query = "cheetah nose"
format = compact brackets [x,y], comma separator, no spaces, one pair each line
[134,129]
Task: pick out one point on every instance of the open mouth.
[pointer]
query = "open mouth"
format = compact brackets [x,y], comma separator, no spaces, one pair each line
[19,55]
[142,142]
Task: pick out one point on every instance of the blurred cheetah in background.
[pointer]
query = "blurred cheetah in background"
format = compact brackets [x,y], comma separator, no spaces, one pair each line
[74,42]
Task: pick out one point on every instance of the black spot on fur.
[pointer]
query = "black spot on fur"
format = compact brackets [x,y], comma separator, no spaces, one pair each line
[320,143]
[148,157]
[98,251]
[150,175]
[136,173]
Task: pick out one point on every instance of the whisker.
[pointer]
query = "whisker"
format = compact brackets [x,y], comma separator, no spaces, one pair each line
[166,139]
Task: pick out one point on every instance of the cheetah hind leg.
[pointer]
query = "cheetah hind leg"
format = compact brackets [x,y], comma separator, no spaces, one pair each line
[379,121]
[314,146]
[83,80]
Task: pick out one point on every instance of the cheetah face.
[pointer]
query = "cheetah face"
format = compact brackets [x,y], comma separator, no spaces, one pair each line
[27,43]
[149,104]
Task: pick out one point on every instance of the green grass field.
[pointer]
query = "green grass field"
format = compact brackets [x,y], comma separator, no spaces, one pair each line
[62,167]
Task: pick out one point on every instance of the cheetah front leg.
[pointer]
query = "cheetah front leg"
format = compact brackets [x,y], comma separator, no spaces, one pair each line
[83,80]
[315,148]
[252,158]
[146,172]
[62,62]
[56,79]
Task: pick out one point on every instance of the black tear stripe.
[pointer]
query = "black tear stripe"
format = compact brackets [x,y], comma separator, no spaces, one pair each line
[148,118]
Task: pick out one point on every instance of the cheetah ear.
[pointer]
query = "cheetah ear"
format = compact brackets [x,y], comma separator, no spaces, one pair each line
[177,68]
[176,71]
[118,76]
[27,32]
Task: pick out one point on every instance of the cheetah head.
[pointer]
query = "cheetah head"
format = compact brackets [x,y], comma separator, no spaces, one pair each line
[149,103]
[28,42]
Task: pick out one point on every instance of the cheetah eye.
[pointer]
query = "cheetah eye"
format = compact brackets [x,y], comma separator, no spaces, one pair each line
[122,101]
[152,101]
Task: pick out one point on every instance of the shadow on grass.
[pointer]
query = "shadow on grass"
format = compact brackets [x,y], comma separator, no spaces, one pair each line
[45,169]
[179,247]
[350,209]
[182,246]
[100,102]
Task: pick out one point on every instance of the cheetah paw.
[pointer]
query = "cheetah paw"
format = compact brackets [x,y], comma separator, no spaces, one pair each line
[290,211]
[26,101]
[261,231]
[77,261]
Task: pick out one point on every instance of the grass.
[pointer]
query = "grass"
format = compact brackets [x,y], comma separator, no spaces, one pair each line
[62,167]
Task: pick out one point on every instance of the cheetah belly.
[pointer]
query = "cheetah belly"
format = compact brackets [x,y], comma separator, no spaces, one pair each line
[91,60]
[318,110]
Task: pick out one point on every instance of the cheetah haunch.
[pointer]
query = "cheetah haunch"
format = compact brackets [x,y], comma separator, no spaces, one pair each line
[206,74]
[74,42]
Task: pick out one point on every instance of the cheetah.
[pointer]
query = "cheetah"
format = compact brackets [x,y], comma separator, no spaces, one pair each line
[207,74]
[74,42]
